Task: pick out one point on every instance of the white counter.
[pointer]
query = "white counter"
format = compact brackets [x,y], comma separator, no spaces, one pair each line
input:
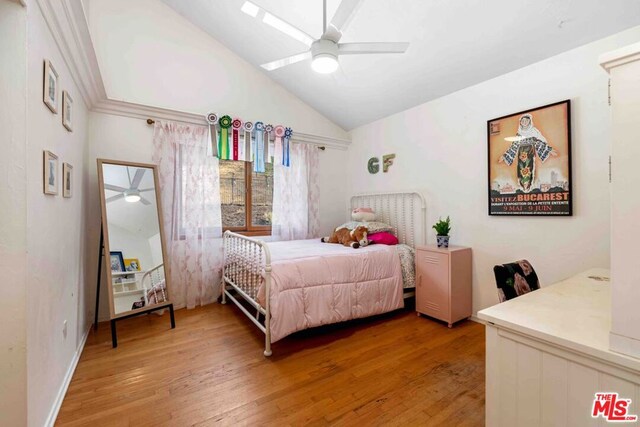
[547,354]
[574,313]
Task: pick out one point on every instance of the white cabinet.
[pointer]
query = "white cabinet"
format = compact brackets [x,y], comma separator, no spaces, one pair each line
[623,66]
[127,289]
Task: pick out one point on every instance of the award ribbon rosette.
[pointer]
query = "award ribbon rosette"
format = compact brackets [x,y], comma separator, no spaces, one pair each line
[258,163]
[268,145]
[286,161]
[278,157]
[212,119]
[236,125]
[248,147]
[225,124]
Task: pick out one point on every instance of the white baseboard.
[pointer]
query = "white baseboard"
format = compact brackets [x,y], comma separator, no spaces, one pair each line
[53,413]
[477,320]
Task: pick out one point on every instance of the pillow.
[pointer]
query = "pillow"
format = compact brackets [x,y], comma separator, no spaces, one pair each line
[372,226]
[363,214]
[383,238]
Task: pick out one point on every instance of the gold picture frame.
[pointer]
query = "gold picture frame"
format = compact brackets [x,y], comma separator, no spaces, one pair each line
[67,180]
[132,264]
[67,111]
[50,173]
[50,87]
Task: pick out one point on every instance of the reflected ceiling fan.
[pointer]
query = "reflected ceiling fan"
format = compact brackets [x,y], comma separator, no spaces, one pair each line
[324,51]
[131,194]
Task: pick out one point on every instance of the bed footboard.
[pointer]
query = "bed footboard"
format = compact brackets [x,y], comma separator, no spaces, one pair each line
[247,267]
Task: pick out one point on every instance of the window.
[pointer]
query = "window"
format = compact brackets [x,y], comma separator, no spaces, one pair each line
[247,198]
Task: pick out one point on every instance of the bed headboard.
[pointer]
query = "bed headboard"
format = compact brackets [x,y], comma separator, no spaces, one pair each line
[405,212]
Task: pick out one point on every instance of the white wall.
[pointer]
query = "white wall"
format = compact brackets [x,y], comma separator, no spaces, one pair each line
[13,209]
[149,54]
[56,230]
[441,149]
[131,245]
[156,251]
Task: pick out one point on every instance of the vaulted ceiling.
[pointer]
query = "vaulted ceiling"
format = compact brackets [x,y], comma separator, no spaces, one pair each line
[454,44]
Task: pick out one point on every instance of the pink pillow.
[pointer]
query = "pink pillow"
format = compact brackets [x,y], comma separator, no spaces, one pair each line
[383,238]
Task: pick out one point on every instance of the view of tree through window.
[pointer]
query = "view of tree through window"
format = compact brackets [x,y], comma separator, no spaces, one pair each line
[247,197]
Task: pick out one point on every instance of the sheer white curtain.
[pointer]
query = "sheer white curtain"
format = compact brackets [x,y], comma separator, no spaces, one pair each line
[296,195]
[190,191]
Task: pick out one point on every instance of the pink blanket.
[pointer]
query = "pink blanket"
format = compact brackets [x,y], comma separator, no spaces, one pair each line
[316,283]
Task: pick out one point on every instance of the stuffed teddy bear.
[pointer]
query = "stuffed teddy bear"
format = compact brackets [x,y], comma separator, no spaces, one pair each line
[354,238]
[363,214]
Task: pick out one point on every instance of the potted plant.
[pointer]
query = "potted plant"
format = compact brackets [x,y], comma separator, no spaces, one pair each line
[442,232]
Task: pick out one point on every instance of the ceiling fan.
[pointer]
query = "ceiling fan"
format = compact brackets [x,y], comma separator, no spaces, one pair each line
[324,51]
[131,194]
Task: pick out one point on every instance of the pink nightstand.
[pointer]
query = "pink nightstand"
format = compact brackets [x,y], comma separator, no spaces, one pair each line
[443,282]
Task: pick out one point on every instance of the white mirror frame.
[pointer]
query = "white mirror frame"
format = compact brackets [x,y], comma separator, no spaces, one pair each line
[105,232]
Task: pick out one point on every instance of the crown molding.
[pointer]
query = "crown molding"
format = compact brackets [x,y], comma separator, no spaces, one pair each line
[141,111]
[321,141]
[144,112]
[69,27]
[620,57]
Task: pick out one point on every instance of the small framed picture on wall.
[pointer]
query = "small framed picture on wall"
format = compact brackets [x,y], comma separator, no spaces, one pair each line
[67,111]
[50,87]
[50,173]
[67,180]
[117,261]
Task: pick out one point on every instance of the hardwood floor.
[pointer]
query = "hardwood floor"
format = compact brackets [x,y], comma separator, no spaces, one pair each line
[395,369]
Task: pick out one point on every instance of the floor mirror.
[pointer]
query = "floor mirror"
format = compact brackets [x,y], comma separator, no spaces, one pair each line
[132,241]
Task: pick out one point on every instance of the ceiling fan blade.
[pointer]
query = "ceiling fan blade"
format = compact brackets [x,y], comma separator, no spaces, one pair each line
[272,20]
[286,28]
[341,19]
[374,47]
[137,178]
[114,198]
[274,65]
[146,189]
[144,201]
[114,188]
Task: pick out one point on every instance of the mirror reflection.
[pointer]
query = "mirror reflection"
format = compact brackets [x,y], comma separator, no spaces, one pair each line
[135,246]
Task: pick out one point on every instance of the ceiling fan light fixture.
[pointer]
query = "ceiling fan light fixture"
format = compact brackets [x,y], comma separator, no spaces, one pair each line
[132,196]
[325,56]
[324,63]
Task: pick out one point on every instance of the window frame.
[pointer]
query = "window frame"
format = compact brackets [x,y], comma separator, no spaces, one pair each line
[249,229]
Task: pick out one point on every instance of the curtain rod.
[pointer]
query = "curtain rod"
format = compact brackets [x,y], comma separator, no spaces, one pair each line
[320,147]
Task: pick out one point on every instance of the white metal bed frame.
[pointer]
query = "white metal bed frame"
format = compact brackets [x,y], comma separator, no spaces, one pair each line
[155,275]
[247,261]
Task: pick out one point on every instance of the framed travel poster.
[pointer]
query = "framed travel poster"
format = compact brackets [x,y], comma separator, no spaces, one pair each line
[529,156]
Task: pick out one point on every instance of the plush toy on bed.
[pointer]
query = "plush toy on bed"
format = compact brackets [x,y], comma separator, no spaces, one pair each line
[354,238]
